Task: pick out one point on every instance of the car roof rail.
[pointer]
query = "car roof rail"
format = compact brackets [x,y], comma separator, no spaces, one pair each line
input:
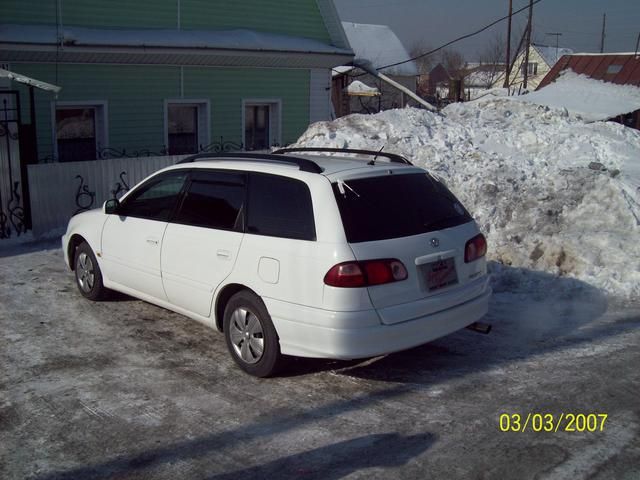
[393,157]
[304,164]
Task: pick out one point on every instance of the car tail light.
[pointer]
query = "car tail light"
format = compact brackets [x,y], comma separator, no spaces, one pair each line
[475,248]
[366,273]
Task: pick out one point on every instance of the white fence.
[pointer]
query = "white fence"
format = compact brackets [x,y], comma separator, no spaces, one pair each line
[59,190]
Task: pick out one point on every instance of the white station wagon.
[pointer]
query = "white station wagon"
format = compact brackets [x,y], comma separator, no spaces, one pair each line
[289,253]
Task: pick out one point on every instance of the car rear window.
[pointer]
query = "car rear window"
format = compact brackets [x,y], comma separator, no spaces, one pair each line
[396,205]
[280,207]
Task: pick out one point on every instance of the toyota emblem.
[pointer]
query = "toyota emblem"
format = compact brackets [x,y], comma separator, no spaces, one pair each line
[435,242]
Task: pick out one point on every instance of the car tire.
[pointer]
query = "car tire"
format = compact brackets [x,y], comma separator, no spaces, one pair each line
[88,274]
[250,335]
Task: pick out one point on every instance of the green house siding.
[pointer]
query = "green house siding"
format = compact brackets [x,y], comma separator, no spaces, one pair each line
[226,88]
[300,18]
[288,17]
[135,97]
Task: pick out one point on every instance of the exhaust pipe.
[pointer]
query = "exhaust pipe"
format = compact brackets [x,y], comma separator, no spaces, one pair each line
[480,327]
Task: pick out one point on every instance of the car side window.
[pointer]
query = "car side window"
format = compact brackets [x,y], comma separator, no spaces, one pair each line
[155,199]
[280,207]
[214,199]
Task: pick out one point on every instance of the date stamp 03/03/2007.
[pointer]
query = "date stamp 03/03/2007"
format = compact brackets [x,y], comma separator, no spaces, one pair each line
[549,422]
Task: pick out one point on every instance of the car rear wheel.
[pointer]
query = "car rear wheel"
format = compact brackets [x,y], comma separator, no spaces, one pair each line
[88,274]
[250,335]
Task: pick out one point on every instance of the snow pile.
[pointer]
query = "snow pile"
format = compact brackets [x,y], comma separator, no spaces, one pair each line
[551,192]
[591,99]
[358,88]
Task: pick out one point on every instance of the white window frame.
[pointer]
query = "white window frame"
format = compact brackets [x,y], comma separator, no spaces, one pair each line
[532,69]
[275,117]
[204,118]
[102,121]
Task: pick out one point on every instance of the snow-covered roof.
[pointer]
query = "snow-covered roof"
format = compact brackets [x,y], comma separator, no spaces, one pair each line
[357,88]
[592,99]
[237,39]
[551,54]
[341,70]
[380,45]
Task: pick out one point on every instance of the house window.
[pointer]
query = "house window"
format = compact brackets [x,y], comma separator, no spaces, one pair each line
[80,131]
[261,124]
[186,128]
[532,68]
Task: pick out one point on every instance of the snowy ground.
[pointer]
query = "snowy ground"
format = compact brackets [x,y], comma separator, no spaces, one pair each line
[123,389]
[552,193]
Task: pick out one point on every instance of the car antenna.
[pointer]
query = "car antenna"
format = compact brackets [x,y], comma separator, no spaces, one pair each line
[373,162]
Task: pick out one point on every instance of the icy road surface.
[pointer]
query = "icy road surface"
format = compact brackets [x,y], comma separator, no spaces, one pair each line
[123,389]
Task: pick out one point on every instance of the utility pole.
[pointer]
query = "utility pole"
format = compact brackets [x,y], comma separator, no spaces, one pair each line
[526,53]
[507,71]
[604,22]
[556,35]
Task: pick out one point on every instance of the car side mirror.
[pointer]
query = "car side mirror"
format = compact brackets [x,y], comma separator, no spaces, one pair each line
[111,206]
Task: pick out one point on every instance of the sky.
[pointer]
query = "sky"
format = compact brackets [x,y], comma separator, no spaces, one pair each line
[431,23]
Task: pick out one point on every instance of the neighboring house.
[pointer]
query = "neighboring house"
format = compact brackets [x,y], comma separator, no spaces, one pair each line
[541,59]
[171,77]
[435,81]
[616,68]
[442,86]
[483,75]
[380,45]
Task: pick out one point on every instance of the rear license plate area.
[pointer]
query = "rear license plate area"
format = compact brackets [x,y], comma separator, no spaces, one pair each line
[440,274]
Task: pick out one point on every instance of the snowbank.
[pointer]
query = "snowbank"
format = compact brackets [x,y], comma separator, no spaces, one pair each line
[591,99]
[524,172]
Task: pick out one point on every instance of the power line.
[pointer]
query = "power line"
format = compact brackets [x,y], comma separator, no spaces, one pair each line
[459,38]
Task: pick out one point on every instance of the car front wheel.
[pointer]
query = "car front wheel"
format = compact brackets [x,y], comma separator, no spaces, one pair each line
[88,274]
[250,335]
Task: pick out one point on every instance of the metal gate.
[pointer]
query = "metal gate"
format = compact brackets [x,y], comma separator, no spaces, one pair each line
[12,193]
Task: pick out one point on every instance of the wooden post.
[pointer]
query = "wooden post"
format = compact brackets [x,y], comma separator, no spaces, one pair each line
[507,72]
[604,22]
[526,55]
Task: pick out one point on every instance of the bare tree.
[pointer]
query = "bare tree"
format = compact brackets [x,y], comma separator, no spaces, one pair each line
[453,61]
[426,63]
[492,59]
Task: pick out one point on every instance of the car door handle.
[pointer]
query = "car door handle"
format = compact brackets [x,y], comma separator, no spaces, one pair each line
[223,253]
[152,241]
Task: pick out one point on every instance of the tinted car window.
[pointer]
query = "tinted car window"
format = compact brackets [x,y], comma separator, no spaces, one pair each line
[393,206]
[214,200]
[155,199]
[280,207]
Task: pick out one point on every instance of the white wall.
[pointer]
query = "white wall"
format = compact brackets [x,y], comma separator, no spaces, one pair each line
[54,187]
[319,95]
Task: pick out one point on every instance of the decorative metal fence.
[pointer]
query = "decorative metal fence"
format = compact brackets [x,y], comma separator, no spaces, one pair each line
[12,213]
[60,190]
[105,153]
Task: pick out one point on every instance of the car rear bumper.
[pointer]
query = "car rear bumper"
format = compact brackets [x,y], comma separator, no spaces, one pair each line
[348,335]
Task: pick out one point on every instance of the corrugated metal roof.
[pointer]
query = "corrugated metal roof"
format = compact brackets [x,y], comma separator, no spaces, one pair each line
[620,68]
[185,57]
[37,43]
